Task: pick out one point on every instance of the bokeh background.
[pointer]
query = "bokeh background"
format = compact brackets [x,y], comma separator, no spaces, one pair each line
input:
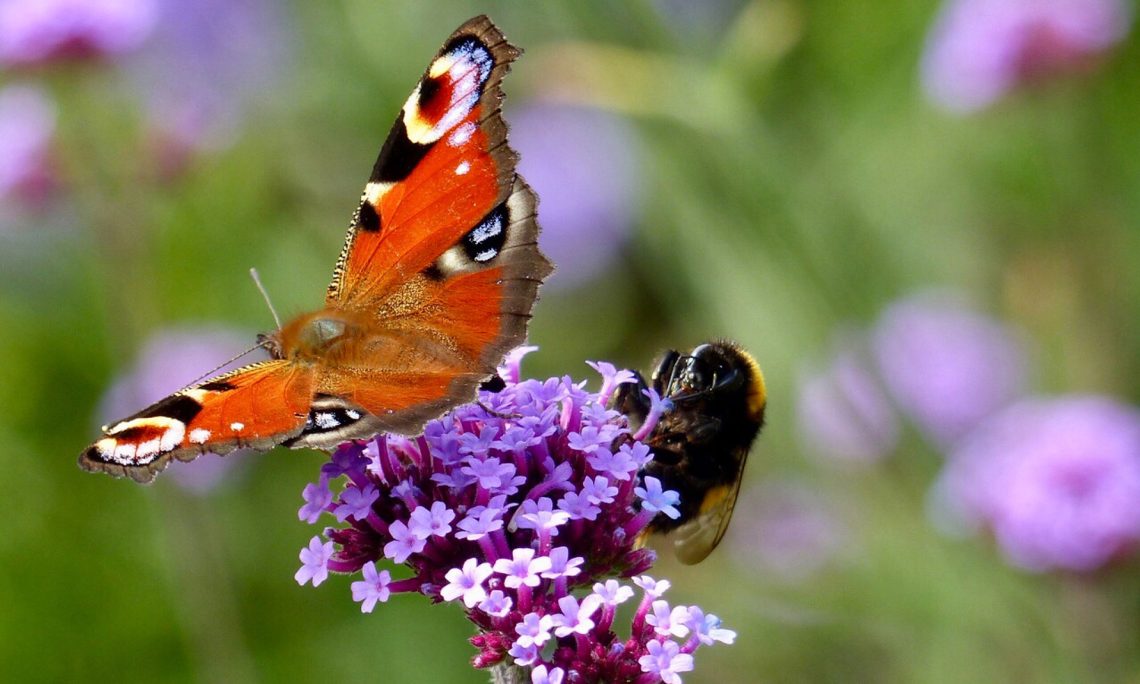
[921,218]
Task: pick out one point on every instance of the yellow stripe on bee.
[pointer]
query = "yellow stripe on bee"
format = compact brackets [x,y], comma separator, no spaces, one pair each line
[758,393]
[714,498]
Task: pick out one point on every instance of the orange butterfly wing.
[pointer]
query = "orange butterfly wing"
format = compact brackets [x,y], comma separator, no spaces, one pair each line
[251,407]
[441,258]
[436,281]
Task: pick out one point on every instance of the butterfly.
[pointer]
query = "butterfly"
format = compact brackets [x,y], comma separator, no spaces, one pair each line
[436,281]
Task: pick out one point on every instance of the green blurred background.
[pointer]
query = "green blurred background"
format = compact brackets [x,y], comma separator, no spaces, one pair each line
[783,178]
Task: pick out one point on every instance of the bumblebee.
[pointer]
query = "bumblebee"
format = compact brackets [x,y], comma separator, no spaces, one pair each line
[715,399]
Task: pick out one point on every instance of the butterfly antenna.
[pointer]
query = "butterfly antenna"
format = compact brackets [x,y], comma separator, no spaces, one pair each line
[220,366]
[261,288]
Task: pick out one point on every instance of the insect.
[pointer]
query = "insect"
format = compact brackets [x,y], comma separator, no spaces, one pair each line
[716,400]
[436,281]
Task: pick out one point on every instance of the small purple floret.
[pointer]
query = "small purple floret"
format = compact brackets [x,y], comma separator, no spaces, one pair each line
[373,589]
[314,562]
[467,582]
[356,503]
[653,498]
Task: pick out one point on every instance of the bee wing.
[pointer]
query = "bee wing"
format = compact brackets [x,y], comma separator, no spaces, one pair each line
[695,540]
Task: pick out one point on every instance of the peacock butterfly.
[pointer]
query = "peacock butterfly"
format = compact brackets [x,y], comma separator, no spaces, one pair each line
[436,281]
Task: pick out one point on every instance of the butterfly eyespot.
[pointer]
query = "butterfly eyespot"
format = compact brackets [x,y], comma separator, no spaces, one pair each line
[451,90]
[325,420]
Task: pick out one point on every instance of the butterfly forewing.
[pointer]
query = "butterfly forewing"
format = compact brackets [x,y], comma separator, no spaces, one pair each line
[442,253]
[442,171]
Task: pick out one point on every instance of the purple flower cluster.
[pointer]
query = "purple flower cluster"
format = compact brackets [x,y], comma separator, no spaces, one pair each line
[36,31]
[980,49]
[1057,481]
[843,411]
[947,365]
[587,178]
[508,506]
[27,139]
[931,357]
[207,65]
[198,67]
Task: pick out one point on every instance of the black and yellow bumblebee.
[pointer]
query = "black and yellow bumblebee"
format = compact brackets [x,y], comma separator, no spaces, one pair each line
[715,408]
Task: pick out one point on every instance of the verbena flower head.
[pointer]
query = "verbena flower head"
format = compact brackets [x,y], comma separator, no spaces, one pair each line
[587,178]
[1057,482]
[843,412]
[35,31]
[208,63]
[523,509]
[946,365]
[27,135]
[980,49]
[788,531]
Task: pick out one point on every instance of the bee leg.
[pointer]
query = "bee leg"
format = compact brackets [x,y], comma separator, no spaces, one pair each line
[629,398]
[663,373]
[705,431]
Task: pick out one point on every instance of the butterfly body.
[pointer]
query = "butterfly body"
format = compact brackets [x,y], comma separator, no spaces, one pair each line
[436,281]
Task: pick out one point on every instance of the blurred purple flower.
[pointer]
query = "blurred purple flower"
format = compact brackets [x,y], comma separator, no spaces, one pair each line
[946,366]
[583,163]
[1057,481]
[169,361]
[842,412]
[37,31]
[980,49]
[27,132]
[786,530]
[206,65]
[709,17]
